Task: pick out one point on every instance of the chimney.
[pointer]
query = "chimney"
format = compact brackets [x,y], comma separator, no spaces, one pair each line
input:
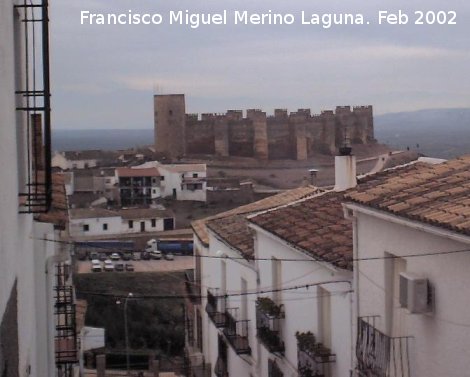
[345,169]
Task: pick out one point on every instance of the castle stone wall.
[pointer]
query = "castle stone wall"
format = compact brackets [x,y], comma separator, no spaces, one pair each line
[296,135]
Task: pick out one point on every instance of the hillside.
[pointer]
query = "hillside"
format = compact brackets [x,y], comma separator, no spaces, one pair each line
[441,133]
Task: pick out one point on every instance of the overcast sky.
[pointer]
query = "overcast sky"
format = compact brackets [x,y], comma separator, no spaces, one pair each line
[105,76]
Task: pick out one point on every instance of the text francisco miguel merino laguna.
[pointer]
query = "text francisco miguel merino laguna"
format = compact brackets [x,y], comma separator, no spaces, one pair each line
[195,20]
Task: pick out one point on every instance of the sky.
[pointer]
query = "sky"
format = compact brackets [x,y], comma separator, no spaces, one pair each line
[105,76]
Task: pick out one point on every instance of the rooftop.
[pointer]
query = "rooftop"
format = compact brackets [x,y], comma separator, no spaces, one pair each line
[89,155]
[316,226]
[438,195]
[224,224]
[136,172]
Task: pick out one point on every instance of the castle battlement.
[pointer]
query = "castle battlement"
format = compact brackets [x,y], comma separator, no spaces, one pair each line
[294,135]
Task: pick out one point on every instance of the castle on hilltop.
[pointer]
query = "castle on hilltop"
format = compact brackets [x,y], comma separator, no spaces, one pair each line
[296,135]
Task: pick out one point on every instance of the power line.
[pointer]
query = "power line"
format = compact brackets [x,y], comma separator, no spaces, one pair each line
[414,255]
[226,295]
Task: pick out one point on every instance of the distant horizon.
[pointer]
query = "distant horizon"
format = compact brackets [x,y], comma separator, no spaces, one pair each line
[268,113]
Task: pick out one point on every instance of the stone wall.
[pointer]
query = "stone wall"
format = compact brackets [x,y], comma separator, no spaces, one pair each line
[296,135]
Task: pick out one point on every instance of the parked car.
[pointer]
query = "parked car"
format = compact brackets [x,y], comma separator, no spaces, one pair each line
[103,257]
[156,254]
[126,256]
[129,267]
[115,256]
[119,266]
[136,256]
[93,255]
[82,255]
[108,265]
[96,266]
[144,255]
[169,256]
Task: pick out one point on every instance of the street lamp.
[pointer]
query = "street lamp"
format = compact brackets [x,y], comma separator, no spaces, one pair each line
[126,330]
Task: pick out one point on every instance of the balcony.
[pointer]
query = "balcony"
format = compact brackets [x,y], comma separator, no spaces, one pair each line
[379,355]
[273,369]
[221,369]
[312,357]
[34,106]
[215,308]
[268,324]
[236,332]
[203,370]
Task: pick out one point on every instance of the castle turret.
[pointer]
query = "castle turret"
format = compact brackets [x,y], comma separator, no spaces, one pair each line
[260,142]
[170,124]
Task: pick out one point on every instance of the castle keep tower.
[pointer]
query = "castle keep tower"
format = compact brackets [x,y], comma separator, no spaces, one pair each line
[170,124]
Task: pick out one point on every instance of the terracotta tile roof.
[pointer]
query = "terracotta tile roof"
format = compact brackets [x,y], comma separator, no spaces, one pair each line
[135,172]
[316,226]
[224,223]
[91,213]
[144,213]
[435,194]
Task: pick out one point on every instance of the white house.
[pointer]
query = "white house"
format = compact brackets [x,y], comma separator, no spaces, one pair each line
[76,160]
[412,237]
[307,330]
[99,222]
[224,250]
[181,181]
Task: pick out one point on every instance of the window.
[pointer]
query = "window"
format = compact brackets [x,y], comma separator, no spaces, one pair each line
[162,178]
[105,226]
[154,223]
[86,227]
[194,175]
[131,224]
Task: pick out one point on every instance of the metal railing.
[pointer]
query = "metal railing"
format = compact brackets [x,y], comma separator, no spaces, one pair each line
[236,332]
[215,308]
[268,330]
[312,358]
[379,355]
[33,100]
[273,369]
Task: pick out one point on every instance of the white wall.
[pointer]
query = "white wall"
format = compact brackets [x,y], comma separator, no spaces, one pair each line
[16,245]
[440,346]
[59,160]
[301,306]
[148,226]
[95,226]
[173,180]
[212,277]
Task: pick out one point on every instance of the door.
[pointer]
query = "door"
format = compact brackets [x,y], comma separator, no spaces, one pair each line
[142,226]
[168,224]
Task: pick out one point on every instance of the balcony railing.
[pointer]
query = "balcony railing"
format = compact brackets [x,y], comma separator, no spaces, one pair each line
[236,332]
[221,369]
[268,324]
[273,369]
[34,102]
[203,370]
[215,308]
[379,355]
[312,357]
